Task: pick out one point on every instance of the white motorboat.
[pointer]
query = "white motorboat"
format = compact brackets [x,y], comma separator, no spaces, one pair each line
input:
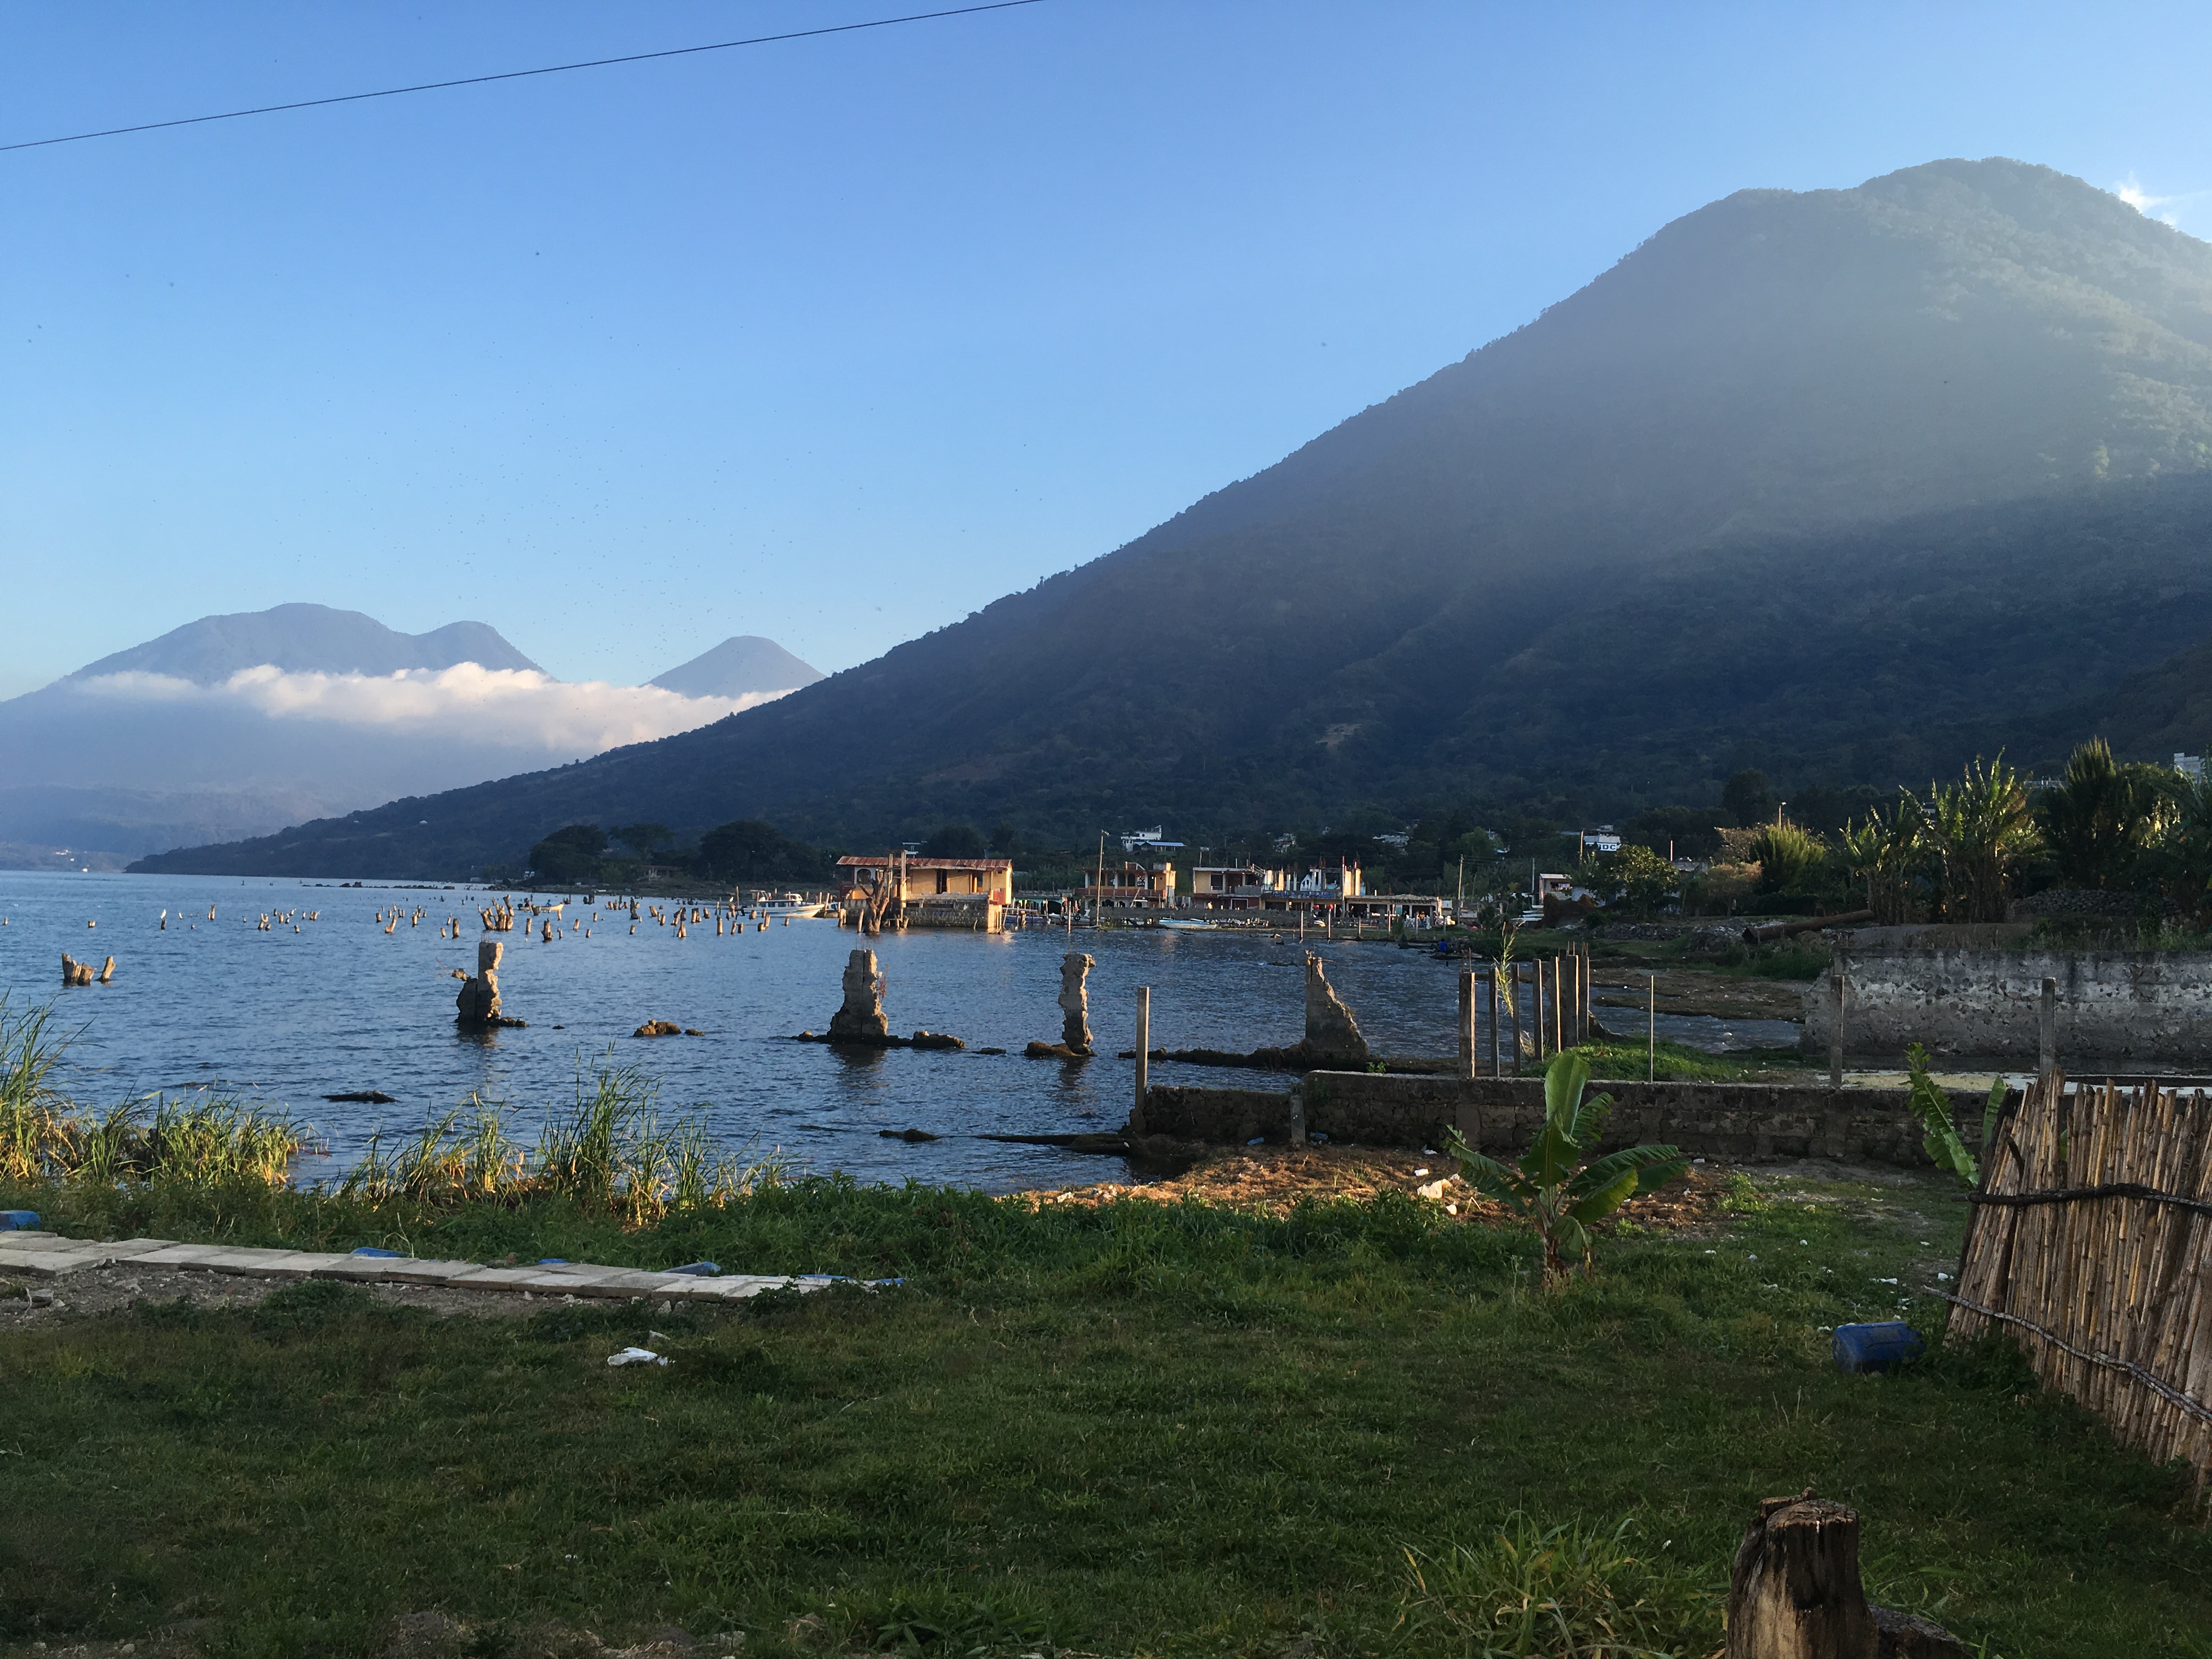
[769,906]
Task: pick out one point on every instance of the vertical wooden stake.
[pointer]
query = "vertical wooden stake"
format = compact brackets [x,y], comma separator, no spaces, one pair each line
[1651,1035]
[1836,1028]
[1490,980]
[1143,1053]
[1467,1025]
[2046,1031]
[1513,1012]
[1536,1002]
[1560,1027]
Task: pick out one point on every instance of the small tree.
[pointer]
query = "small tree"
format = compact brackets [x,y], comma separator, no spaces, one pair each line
[1551,1186]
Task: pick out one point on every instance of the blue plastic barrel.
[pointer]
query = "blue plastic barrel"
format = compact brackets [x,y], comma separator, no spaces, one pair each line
[698,1269]
[1876,1347]
[19,1221]
[371,1250]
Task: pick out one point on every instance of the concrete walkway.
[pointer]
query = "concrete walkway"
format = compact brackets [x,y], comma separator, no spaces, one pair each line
[49,1255]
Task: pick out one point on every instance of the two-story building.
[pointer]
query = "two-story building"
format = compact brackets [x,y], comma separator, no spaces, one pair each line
[1130,883]
[920,892]
[1235,887]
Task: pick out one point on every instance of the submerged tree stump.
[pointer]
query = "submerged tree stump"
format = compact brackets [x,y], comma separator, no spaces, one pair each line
[862,1018]
[1075,1001]
[477,1007]
[1333,1037]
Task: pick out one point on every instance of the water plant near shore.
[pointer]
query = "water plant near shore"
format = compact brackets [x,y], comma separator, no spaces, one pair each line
[215,1141]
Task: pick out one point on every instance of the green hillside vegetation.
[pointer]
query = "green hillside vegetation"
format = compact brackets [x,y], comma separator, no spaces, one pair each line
[1847,485]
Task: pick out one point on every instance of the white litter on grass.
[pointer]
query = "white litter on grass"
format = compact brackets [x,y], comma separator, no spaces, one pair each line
[636,1357]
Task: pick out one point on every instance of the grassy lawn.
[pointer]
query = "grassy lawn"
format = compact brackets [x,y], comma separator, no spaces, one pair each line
[1142,1428]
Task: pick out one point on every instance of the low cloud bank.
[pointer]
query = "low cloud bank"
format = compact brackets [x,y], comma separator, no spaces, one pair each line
[518,708]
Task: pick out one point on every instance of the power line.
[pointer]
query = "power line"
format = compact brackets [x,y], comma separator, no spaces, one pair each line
[519,75]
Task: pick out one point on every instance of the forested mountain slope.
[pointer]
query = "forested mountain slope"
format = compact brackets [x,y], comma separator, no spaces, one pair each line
[1772,481]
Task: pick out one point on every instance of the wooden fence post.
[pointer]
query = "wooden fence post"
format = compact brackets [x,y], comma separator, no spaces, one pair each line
[1835,1028]
[1143,1053]
[1490,980]
[1466,1024]
[1513,1012]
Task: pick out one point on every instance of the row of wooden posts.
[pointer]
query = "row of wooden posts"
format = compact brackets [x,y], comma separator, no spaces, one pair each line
[1559,1011]
[1559,1015]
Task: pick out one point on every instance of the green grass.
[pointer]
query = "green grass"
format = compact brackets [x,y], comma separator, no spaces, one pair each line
[1138,1429]
[1614,1058]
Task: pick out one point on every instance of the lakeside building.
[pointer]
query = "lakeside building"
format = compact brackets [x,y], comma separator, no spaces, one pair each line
[964,893]
[1131,883]
[1235,887]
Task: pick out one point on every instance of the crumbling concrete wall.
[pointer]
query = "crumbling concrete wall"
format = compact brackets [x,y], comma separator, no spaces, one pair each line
[2115,1008]
[1499,1115]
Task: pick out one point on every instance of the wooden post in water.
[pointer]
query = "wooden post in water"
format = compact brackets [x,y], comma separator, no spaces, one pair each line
[2046,1031]
[1144,1055]
[1467,1025]
[1490,980]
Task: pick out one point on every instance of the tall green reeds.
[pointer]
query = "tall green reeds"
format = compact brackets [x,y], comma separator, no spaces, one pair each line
[214,1141]
[610,1153]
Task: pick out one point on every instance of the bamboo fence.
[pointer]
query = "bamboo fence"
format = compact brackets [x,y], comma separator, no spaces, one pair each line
[2090,1243]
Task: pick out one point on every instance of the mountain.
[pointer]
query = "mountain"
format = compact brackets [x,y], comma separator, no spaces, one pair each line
[241,725]
[1786,479]
[305,639]
[740,664]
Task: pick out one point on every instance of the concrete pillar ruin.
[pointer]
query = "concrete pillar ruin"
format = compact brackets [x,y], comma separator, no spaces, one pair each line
[861,1020]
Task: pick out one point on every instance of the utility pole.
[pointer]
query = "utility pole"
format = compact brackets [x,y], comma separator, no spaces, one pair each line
[1098,893]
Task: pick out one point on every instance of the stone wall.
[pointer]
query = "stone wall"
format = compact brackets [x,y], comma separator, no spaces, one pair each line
[1734,1120]
[2117,1009]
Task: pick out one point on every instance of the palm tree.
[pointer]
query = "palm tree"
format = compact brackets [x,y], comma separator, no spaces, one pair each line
[2098,823]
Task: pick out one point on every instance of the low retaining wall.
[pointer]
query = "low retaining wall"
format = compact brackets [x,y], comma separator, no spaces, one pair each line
[1498,1115]
[2115,1008]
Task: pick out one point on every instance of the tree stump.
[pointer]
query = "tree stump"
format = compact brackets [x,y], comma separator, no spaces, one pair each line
[1332,1037]
[1075,1002]
[1794,1593]
[477,1005]
[862,1018]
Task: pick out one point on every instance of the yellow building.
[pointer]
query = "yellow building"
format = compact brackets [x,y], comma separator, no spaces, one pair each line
[918,892]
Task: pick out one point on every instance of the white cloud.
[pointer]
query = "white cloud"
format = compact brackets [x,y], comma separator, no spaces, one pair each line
[520,709]
[2130,191]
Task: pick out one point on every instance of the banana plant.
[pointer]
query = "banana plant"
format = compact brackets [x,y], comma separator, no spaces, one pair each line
[1552,1186]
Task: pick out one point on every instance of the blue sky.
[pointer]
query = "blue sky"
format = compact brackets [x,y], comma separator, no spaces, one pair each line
[837,340]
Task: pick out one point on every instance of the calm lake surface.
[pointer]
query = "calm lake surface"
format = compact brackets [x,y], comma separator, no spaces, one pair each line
[340,1005]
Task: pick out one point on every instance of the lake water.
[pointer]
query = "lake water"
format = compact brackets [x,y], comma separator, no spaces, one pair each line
[342,1006]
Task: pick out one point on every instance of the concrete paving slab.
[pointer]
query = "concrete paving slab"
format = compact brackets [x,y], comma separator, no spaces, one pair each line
[133,1247]
[417,1270]
[179,1256]
[46,1264]
[499,1278]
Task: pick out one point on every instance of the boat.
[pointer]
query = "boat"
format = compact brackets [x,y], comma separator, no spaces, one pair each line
[769,906]
[1185,926]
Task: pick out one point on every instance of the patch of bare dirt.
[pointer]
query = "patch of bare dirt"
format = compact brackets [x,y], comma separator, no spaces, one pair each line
[1275,1178]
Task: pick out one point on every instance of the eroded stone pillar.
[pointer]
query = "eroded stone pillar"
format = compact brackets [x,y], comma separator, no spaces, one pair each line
[862,1018]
